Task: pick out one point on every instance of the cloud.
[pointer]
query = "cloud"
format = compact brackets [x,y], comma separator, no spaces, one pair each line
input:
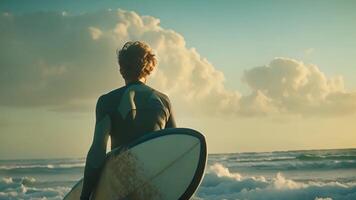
[290,86]
[95,33]
[50,59]
[64,62]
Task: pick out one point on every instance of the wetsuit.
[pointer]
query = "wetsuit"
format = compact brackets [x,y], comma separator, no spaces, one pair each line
[124,114]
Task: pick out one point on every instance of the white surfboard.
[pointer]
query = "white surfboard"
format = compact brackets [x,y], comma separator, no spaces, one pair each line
[164,165]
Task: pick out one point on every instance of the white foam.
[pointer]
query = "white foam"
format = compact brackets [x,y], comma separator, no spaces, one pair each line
[281,182]
[219,183]
[7,180]
[21,188]
[221,171]
[327,198]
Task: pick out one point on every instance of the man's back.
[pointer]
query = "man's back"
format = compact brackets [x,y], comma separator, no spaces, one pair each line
[134,110]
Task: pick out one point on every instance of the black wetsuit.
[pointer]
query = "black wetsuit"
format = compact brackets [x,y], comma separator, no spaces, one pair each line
[124,114]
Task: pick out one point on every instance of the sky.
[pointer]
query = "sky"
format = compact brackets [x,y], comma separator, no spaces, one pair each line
[250,75]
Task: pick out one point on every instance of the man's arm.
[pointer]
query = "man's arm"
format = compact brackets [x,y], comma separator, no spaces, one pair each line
[97,151]
[171,123]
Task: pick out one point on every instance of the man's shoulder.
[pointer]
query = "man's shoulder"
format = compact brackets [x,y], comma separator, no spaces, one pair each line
[110,97]
[164,97]
[113,93]
[157,92]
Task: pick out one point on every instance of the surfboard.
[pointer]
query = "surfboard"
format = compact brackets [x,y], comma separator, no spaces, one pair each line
[164,165]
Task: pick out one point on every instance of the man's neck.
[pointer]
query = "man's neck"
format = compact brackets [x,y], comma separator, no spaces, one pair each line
[143,80]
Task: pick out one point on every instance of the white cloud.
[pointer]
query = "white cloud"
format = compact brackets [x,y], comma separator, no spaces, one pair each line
[294,87]
[66,61]
[95,33]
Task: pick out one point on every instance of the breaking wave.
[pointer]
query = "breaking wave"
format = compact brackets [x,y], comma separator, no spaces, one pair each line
[220,183]
[290,160]
[29,188]
[289,175]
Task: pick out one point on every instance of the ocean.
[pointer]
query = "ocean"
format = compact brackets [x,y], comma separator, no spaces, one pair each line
[294,175]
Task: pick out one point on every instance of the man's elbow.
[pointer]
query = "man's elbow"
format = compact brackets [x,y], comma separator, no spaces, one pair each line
[95,157]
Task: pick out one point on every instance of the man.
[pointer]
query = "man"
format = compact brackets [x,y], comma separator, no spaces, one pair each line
[127,113]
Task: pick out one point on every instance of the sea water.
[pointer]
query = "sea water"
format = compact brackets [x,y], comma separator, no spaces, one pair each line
[315,175]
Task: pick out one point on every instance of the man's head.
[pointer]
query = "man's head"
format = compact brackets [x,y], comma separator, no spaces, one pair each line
[136,60]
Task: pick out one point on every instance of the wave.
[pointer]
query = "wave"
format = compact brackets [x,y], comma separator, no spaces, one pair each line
[289,165]
[46,166]
[220,183]
[29,188]
[267,159]
[310,157]
[286,156]
[41,168]
[289,160]
[315,175]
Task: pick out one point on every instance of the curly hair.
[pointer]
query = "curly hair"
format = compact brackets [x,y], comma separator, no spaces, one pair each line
[136,60]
